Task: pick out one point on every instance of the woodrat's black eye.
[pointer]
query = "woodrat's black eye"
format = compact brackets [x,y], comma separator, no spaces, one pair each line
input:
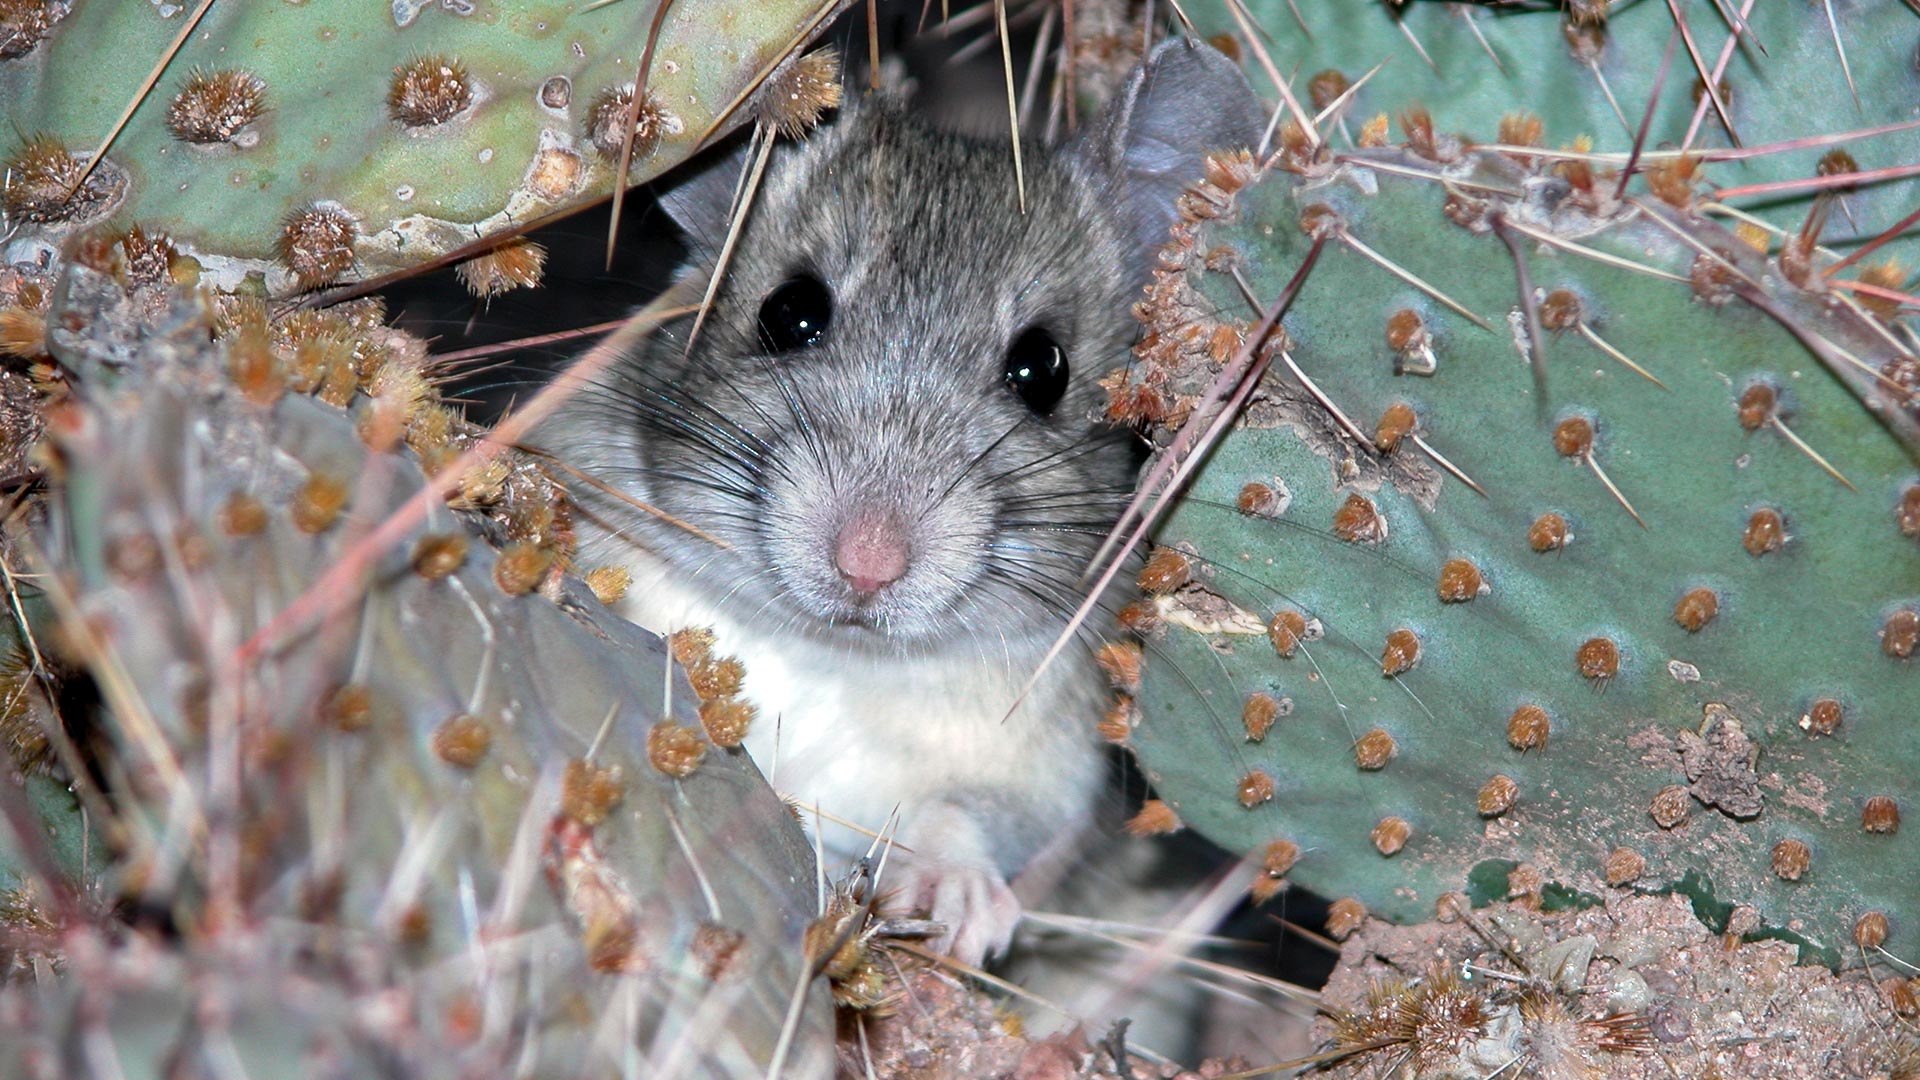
[1037,370]
[795,315]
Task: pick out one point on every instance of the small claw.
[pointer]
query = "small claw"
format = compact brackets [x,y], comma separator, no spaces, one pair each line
[974,903]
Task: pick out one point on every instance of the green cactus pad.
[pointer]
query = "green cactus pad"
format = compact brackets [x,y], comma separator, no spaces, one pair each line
[1391,719]
[1484,61]
[495,131]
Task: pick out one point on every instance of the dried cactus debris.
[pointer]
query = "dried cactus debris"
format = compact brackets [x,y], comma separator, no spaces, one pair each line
[1635,989]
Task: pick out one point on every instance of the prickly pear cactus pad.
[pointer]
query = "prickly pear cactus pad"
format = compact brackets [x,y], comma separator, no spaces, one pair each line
[313,143]
[474,814]
[1814,71]
[1668,643]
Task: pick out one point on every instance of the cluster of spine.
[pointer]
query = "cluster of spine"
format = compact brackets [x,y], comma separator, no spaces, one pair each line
[459,766]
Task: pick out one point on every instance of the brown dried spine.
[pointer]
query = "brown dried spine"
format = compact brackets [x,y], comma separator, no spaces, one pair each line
[1522,129]
[1155,818]
[1870,930]
[1259,714]
[1373,750]
[242,515]
[434,557]
[608,583]
[1672,181]
[1460,581]
[1670,806]
[23,332]
[1598,659]
[1326,87]
[1321,221]
[1791,859]
[1275,860]
[1904,996]
[690,646]
[1259,499]
[462,740]
[1165,571]
[1526,885]
[23,23]
[521,568]
[1254,788]
[40,183]
[1712,280]
[517,264]
[1116,725]
[1624,866]
[589,792]
[1900,634]
[1528,728]
[1344,916]
[1395,424]
[1286,631]
[1121,660]
[796,97]
[318,503]
[1822,717]
[1402,652]
[1696,609]
[1766,532]
[317,244]
[1497,795]
[1278,857]
[675,749]
[607,123]
[1880,815]
[214,106]
[1548,533]
[1418,124]
[1573,437]
[349,707]
[1406,331]
[726,721]
[716,677]
[1559,311]
[1358,521]
[1758,403]
[429,90]
[1391,835]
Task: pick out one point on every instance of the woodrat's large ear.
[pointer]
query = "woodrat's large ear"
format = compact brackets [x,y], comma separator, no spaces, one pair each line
[699,195]
[1186,101]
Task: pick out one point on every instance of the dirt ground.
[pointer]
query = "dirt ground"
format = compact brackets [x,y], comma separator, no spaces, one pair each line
[1637,989]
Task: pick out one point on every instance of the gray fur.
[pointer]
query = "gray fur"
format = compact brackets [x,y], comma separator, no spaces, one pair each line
[903,408]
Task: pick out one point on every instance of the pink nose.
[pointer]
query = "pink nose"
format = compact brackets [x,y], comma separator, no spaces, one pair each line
[871,551]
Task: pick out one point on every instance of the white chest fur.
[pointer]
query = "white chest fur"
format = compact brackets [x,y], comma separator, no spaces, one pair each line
[861,735]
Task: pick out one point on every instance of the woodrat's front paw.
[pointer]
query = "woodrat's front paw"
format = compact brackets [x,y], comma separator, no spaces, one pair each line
[974,902]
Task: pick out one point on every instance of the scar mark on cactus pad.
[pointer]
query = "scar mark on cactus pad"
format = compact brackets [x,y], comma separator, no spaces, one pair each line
[1361,467]
[1197,608]
[1719,760]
